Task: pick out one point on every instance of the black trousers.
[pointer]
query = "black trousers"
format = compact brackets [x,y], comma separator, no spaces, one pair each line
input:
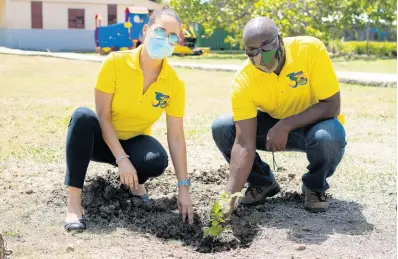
[84,143]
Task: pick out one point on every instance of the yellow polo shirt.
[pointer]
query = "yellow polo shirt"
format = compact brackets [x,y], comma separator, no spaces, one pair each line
[134,113]
[307,77]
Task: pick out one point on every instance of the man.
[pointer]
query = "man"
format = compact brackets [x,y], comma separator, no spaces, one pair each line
[285,97]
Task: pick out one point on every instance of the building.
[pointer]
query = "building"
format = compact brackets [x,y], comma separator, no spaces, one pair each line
[59,25]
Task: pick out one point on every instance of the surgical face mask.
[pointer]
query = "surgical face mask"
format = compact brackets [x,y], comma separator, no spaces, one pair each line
[267,61]
[158,48]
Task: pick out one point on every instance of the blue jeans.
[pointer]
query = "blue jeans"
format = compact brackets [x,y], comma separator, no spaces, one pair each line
[323,142]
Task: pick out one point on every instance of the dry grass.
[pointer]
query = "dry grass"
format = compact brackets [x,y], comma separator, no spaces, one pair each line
[38,95]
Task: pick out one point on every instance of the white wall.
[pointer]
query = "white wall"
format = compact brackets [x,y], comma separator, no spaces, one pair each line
[55,36]
[121,13]
[148,4]
[18,14]
[126,2]
[2,13]
[55,12]
[55,15]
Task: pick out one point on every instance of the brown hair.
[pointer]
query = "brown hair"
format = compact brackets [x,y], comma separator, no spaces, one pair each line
[165,10]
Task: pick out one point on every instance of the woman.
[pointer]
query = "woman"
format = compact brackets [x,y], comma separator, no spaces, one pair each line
[133,89]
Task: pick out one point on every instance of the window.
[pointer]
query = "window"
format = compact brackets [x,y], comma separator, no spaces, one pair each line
[76,18]
[36,10]
[112,14]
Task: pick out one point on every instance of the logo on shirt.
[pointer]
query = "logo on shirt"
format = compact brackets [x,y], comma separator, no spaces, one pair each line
[161,100]
[298,77]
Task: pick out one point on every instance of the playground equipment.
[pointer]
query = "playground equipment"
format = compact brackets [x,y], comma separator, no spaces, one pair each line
[121,36]
[187,44]
[128,35]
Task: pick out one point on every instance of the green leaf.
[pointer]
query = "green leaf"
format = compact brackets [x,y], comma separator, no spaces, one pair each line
[215,231]
[206,232]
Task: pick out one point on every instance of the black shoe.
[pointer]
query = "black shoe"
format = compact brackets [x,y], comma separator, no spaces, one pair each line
[79,225]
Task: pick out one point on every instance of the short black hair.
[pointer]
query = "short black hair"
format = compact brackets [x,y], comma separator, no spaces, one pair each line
[165,10]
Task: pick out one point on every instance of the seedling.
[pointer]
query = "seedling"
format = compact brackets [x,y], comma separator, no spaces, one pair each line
[217,214]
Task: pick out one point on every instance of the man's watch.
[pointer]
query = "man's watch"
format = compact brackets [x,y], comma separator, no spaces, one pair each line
[185,182]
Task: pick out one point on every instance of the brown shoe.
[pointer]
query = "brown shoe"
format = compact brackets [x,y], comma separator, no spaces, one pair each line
[315,201]
[257,195]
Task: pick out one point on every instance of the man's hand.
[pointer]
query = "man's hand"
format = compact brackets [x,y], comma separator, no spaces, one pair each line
[185,204]
[277,137]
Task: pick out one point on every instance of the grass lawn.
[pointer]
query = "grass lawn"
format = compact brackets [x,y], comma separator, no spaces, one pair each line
[388,66]
[38,95]
[362,64]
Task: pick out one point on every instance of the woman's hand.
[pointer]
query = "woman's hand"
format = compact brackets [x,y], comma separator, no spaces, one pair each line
[128,174]
[185,204]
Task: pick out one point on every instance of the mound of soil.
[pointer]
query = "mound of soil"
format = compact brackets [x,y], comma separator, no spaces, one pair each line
[108,204]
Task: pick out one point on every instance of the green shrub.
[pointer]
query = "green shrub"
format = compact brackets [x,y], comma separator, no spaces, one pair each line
[379,49]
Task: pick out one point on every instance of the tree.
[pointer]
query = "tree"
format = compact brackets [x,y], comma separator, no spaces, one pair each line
[293,17]
[320,18]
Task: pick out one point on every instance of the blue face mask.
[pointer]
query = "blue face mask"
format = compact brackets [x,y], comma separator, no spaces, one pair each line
[159,48]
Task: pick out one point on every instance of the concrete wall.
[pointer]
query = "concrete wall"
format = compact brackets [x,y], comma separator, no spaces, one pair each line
[121,13]
[16,32]
[52,40]
[55,12]
[2,13]
[125,2]
[18,14]
[55,15]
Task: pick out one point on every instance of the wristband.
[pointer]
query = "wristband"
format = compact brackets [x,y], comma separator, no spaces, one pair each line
[121,158]
[185,182]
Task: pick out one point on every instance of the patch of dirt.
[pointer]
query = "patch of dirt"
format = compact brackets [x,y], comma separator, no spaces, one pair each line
[211,176]
[109,205]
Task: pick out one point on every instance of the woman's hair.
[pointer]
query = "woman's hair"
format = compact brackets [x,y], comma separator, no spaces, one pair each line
[165,10]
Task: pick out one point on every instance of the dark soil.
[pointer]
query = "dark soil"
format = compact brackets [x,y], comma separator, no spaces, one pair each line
[109,205]
[106,202]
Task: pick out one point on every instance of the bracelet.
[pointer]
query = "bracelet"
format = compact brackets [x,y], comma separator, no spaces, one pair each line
[185,182]
[121,158]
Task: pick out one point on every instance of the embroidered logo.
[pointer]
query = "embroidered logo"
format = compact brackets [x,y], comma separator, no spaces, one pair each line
[298,77]
[161,100]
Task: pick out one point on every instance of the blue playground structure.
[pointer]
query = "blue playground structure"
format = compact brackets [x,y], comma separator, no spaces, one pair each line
[128,35]
[121,36]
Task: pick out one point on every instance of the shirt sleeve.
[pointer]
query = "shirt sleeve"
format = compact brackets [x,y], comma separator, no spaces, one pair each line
[106,77]
[176,105]
[324,82]
[243,105]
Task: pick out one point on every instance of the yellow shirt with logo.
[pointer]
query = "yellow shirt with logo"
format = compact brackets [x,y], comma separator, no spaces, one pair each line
[134,113]
[307,77]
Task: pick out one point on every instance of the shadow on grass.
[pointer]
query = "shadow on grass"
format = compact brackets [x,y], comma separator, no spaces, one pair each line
[287,212]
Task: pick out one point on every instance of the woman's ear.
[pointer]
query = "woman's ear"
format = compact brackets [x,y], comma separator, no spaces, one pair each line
[144,30]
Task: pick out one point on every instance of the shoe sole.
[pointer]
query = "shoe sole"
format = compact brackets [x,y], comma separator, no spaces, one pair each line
[269,194]
[315,210]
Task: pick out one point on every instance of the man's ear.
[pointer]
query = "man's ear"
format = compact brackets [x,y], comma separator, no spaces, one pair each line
[281,39]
